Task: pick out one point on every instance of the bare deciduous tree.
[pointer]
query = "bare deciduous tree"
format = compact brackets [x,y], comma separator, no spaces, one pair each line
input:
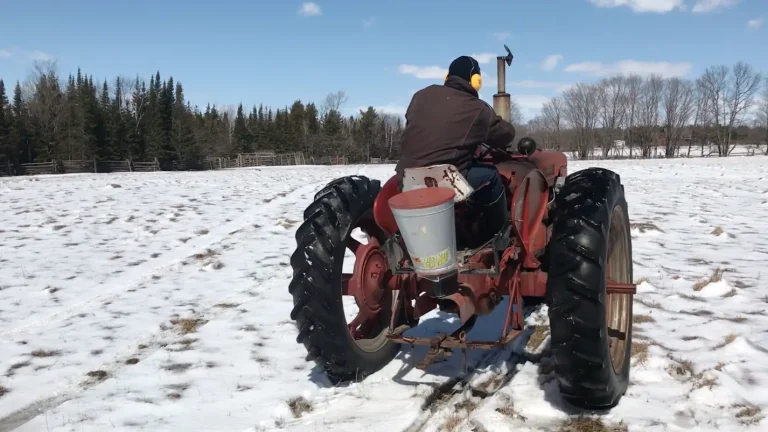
[611,96]
[634,89]
[46,105]
[552,113]
[648,120]
[581,111]
[762,113]
[740,96]
[678,100]
[333,102]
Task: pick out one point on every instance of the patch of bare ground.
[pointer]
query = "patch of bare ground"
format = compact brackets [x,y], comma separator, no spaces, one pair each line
[702,379]
[299,405]
[188,325]
[201,232]
[44,353]
[715,276]
[641,280]
[717,231]
[645,227]
[690,338]
[590,424]
[177,367]
[131,361]
[183,345]
[642,319]
[98,375]
[227,305]
[452,422]
[748,414]
[540,333]
[681,368]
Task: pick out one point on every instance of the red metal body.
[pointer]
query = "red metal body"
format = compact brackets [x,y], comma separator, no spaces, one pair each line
[482,283]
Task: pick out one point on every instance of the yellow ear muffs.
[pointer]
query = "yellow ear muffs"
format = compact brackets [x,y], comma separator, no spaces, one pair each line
[477,82]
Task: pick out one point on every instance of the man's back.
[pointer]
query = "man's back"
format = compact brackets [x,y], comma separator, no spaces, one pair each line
[446,123]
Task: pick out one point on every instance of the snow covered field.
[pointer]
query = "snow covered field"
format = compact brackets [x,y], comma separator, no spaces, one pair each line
[159,302]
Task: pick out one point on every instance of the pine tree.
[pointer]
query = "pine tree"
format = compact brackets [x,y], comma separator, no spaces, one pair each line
[6,151]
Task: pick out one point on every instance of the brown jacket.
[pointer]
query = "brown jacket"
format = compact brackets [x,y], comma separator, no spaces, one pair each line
[446,123]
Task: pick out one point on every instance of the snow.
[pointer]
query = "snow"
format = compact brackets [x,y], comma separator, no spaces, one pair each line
[159,301]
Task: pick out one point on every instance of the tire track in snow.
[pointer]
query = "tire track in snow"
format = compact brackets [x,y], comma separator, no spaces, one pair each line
[73,387]
[141,273]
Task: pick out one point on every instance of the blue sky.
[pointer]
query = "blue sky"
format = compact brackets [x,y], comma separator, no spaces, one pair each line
[378,51]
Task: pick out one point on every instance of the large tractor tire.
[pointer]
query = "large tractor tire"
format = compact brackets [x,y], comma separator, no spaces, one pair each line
[591,330]
[317,285]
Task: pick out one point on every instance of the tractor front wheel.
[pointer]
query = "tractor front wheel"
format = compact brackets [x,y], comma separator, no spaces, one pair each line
[346,351]
[591,329]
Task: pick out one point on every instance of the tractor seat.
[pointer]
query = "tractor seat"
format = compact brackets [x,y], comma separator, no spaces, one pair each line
[443,175]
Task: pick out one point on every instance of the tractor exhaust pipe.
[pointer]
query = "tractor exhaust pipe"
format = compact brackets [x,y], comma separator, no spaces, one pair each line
[501,100]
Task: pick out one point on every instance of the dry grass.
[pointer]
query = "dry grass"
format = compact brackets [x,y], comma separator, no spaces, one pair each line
[728,340]
[718,231]
[715,276]
[227,305]
[645,226]
[299,406]
[4,391]
[540,333]
[44,353]
[588,424]
[746,411]
[683,367]
[452,423]
[641,280]
[700,381]
[508,409]
[730,293]
[187,325]
[642,319]
[640,351]
[177,367]
[466,404]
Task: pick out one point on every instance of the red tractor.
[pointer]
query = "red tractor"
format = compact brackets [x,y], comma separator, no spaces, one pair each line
[567,243]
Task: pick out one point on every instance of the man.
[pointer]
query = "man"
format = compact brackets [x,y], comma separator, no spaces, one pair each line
[446,123]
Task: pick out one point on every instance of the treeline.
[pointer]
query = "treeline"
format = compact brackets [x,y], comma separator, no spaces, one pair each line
[80,118]
[720,108]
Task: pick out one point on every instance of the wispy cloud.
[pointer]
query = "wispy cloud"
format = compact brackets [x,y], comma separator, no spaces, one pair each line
[705,6]
[502,36]
[368,23]
[551,61]
[643,6]
[483,58]
[4,53]
[310,9]
[755,24]
[665,69]
[39,55]
[423,72]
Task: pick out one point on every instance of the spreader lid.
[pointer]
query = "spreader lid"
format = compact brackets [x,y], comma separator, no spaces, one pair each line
[422,198]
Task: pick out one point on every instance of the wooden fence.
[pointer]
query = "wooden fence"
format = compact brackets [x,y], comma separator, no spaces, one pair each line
[242,160]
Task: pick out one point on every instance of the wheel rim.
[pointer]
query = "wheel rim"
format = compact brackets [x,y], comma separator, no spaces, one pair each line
[618,306]
[368,286]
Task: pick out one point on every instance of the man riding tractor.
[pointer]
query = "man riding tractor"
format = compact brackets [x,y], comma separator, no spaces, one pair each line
[445,124]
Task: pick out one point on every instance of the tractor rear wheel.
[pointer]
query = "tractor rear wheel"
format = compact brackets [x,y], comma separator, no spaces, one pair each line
[591,329]
[344,351]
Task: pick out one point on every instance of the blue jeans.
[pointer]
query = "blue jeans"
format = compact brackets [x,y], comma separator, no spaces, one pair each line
[486,181]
